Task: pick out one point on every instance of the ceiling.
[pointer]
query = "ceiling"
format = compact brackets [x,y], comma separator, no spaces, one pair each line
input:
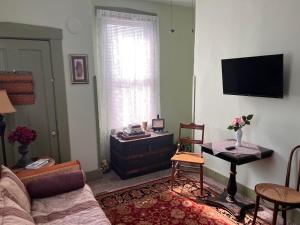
[175,2]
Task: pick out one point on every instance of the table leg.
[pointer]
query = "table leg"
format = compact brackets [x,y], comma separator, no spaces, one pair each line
[227,199]
[231,186]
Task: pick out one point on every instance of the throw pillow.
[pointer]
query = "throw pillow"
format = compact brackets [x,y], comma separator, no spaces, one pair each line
[56,184]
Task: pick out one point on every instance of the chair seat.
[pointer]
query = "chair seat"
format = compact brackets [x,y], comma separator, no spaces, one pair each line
[278,194]
[188,157]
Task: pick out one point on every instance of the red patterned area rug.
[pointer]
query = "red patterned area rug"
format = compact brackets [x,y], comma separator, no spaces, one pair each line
[153,203]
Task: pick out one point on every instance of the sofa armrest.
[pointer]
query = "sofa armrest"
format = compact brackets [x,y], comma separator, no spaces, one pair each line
[29,175]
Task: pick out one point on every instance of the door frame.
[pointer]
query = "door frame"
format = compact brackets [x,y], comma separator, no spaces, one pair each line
[54,36]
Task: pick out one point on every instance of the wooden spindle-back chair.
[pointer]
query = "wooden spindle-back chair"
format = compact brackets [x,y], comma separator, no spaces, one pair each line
[283,197]
[194,159]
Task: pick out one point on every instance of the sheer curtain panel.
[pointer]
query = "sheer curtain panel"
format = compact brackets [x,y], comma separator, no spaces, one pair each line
[128,66]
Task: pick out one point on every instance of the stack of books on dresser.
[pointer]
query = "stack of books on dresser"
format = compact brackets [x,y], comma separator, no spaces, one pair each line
[134,131]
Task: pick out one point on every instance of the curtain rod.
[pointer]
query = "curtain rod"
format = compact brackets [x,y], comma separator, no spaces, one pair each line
[125,10]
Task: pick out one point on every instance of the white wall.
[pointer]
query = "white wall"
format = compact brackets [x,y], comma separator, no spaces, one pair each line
[235,28]
[176,60]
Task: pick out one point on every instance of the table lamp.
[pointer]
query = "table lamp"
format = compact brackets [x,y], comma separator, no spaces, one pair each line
[5,107]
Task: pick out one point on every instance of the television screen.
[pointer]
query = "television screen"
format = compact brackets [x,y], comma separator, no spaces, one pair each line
[253,76]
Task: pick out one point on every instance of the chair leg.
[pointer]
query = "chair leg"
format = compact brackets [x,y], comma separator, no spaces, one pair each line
[256,209]
[201,180]
[275,214]
[173,174]
[284,217]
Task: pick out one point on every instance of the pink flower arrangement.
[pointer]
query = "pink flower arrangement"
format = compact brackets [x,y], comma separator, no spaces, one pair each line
[23,135]
[239,122]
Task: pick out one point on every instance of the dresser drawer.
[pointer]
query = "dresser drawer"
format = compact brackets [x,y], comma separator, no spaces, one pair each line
[142,145]
[141,160]
[137,147]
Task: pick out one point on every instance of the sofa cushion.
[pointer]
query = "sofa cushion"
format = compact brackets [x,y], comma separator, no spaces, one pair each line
[75,207]
[11,213]
[56,184]
[15,188]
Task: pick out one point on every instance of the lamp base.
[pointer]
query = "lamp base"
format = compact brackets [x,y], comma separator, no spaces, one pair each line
[2,125]
[2,130]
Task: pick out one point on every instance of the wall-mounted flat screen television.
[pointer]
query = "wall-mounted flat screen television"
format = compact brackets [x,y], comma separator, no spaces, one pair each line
[253,76]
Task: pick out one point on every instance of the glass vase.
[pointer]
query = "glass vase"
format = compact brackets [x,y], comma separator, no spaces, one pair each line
[24,160]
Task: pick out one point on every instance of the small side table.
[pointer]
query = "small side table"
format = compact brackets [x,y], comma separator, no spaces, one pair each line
[51,162]
[227,199]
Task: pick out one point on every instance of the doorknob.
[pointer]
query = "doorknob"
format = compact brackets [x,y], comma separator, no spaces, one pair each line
[53,133]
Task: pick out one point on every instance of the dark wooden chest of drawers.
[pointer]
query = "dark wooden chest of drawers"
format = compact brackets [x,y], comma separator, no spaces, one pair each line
[135,157]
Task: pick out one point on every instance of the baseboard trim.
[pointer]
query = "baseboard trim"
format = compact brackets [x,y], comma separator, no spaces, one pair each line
[293,215]
[93,175]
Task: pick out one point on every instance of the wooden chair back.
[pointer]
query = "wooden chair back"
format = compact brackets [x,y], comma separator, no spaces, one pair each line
[193,127]
[288,172]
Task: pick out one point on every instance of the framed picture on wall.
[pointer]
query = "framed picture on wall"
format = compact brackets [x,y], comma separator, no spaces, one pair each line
[79,68]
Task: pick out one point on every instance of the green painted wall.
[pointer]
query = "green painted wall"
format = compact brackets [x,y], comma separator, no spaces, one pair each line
[176,58]
[176,61]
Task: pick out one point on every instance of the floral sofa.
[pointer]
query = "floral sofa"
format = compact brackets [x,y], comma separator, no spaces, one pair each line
[30,198]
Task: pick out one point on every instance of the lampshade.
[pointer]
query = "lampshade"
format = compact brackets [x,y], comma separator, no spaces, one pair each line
[5,104]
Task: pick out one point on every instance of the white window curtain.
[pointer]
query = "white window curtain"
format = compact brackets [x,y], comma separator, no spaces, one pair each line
[128,59]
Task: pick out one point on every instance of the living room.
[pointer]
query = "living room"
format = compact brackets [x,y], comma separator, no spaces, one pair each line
[205,32]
